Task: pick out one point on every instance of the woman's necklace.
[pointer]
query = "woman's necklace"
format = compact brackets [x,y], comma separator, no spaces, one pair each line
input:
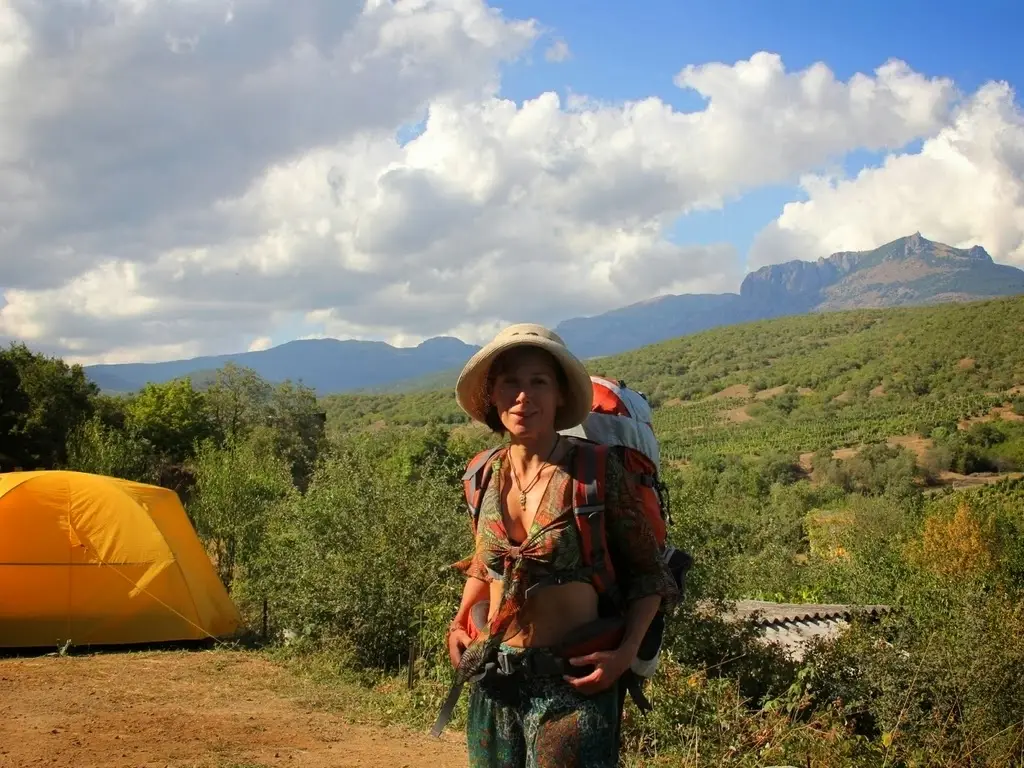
[524,491]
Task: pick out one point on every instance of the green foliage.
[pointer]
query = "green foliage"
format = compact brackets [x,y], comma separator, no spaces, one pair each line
[994,446]
[14,406]
[352,412]
[239,400]
[362,555]
[877,469]
[44,400]
[938,683]
[172,416]
[237,489]
[97,448]
[299,429]
[857,548]
[163,424]
[704,427]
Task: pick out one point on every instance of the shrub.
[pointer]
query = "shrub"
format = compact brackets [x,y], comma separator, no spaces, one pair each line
[97,448]
[363,557]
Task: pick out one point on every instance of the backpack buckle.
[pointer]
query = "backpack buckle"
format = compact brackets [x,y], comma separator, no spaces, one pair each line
[505,664]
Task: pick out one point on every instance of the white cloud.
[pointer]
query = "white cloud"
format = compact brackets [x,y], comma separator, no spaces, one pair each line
[964,187]
[558,51]
[119,145]
[259,344]
[222,172]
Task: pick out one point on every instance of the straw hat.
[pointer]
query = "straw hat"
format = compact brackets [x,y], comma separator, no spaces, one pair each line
[471,389]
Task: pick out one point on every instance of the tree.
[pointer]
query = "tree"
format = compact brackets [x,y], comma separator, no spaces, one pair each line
[104,450]
[172,417]
[239,399]
[14,405]
[55,398]
[299,426]
[236,488]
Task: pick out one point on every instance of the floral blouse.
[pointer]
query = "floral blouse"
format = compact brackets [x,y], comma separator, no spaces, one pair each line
[553,546]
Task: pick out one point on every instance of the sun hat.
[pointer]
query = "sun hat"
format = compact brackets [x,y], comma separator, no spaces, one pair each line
[471,389]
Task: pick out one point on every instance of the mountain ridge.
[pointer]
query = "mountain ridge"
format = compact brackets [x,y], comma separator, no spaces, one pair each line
[325,365]
[907,271]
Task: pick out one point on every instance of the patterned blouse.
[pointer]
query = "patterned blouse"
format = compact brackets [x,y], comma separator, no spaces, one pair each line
[553,547]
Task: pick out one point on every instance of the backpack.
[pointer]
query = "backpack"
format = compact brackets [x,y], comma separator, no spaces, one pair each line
[620,421]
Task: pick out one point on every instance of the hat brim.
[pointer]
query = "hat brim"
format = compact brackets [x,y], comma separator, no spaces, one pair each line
[471,388]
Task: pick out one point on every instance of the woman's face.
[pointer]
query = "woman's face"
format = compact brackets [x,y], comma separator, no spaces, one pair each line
[526,392]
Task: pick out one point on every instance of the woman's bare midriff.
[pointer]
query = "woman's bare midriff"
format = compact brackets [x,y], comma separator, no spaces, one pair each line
[549,614]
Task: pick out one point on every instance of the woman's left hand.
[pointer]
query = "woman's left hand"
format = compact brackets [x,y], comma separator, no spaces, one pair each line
[609,666]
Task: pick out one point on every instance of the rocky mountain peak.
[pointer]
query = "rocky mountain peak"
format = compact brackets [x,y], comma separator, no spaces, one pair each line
[915,244]
[802,284]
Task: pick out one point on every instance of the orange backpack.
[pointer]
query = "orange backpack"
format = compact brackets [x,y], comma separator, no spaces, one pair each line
[621,421]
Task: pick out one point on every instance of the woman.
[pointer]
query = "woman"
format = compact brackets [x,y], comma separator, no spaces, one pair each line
[540,710]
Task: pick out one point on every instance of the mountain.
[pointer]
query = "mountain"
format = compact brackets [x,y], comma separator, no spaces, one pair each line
[908,271]
[651,321]
[325,365]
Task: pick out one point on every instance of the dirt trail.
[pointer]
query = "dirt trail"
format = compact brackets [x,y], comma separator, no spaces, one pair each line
[213,709]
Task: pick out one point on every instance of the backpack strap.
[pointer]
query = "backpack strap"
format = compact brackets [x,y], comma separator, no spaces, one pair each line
[589,511]
[475,479]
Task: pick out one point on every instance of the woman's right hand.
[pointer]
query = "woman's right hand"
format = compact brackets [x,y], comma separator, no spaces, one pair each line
[458,639]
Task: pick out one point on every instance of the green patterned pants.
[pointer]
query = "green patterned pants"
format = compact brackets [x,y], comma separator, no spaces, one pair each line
[542,722]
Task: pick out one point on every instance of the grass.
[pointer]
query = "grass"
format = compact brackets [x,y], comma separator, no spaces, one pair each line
[326,679]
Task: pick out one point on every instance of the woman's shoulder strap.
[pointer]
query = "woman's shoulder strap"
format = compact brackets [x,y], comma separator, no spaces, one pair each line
[474,481]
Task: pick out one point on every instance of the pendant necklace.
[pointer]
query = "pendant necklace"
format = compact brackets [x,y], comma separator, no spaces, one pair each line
[524,491]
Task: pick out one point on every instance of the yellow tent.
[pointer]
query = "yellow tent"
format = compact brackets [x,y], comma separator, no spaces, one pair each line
[98,560]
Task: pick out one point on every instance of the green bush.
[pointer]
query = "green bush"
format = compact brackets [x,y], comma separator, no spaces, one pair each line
[99,449]
[940,682]
[237,491]
[363,556]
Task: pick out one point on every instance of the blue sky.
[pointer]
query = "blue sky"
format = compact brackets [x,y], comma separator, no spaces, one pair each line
[216,183]
[629,51]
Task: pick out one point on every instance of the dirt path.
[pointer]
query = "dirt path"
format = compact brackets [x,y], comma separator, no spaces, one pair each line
[202,709]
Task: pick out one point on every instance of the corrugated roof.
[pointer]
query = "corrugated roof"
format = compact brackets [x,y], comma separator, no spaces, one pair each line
[766,614]
[794,625]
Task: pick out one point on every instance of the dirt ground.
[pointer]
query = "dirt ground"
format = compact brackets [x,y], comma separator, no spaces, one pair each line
[736,390]
[186,709]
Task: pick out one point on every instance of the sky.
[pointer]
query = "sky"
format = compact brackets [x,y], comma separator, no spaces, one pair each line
[189,177]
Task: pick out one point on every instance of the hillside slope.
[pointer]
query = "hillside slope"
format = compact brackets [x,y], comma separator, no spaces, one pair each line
[869,358]
[648,322]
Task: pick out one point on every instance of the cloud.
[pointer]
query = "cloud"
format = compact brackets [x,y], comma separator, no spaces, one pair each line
[558,51]
[257,345]
[218,173]
[126,123]
[964,187]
